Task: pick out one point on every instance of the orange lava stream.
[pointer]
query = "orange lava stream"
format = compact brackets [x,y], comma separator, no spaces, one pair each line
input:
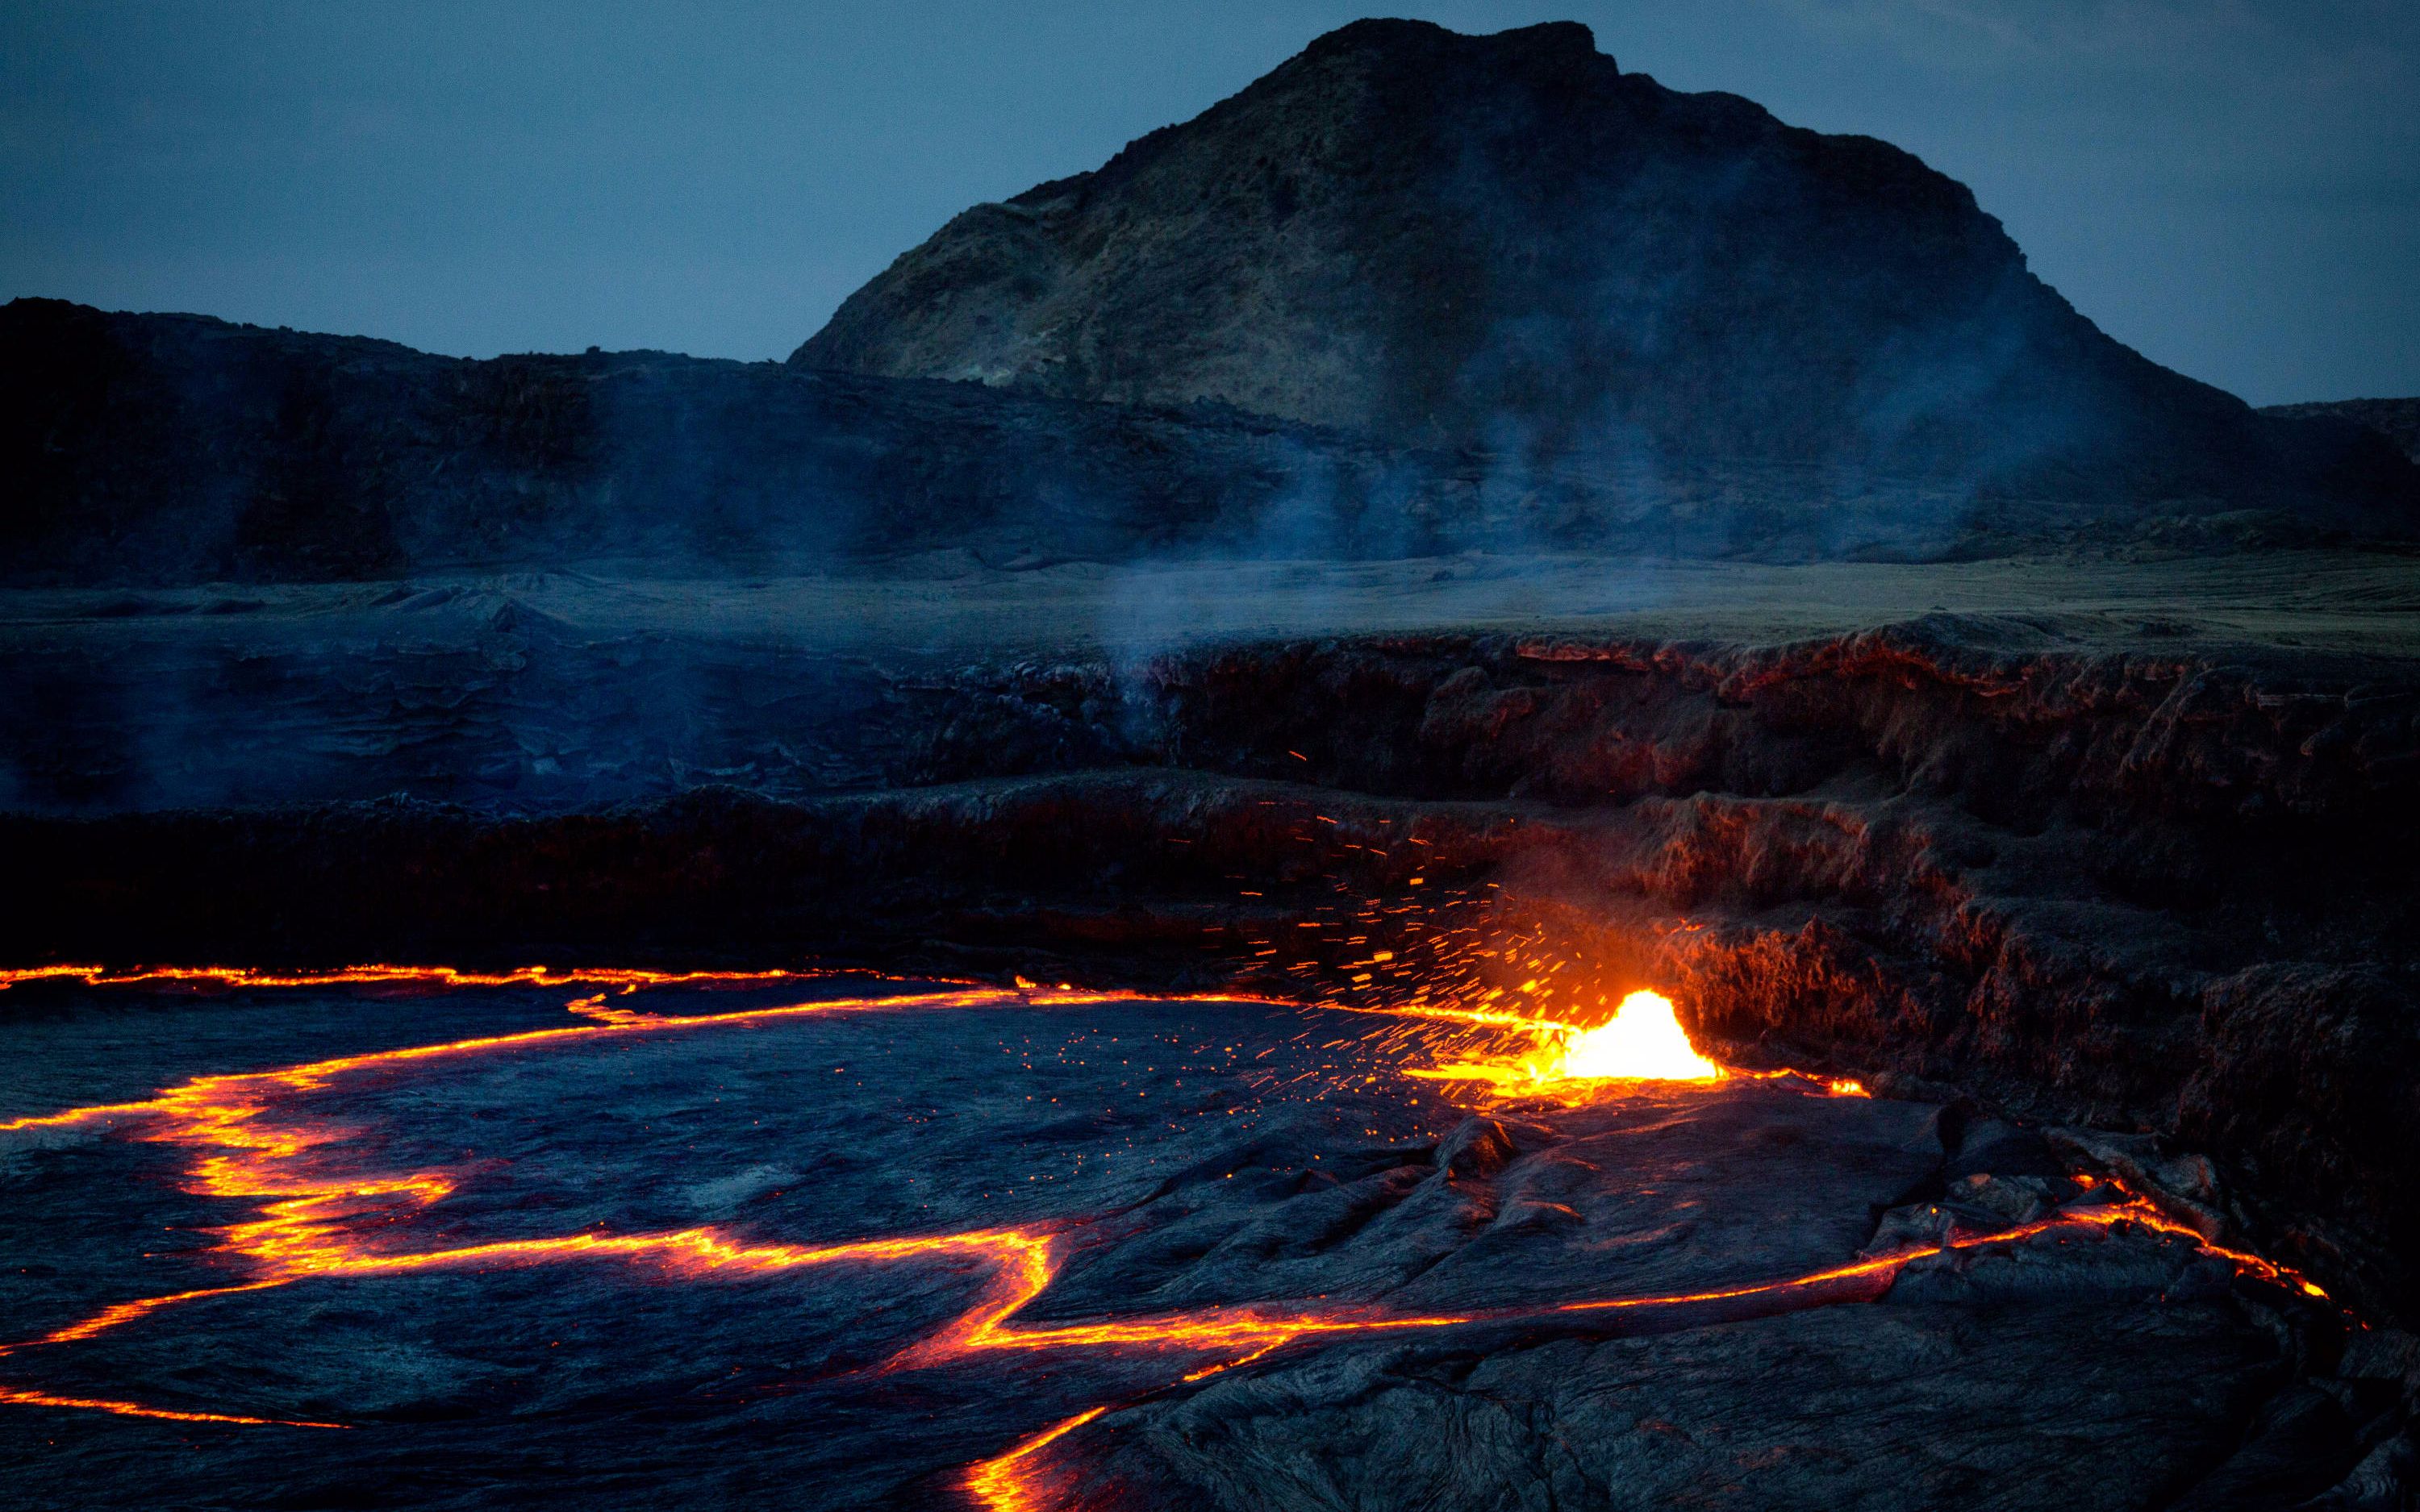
[37,1398]
[300,1231]
[303,1228]
[439,977]
[1009,1483]
[1005,1484]
[219,1103]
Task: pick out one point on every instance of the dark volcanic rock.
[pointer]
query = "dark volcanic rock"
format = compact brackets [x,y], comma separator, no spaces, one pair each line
[168,449]
[2398,420]
[178,449]
[1506,239]
[1901,1406]
[2144,914]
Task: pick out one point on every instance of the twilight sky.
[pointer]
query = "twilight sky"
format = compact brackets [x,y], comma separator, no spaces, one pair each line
[2233,187]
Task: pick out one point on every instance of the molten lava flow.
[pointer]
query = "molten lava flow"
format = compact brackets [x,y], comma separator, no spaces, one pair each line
[1642,1042]
[94,1404]
[625,978]
[1006,1483]
[316,1220]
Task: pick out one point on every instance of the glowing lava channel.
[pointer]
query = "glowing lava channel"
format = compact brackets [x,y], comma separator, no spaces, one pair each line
[443,978]
[244,1151]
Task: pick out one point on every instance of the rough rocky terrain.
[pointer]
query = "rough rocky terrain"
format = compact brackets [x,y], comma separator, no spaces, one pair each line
[1507,240]
[2114,848]
[178,450]
[1627,543]
[2398,420]
[567,691]
[2132,876]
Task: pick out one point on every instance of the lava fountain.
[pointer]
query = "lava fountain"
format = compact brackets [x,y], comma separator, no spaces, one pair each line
[1642,1042]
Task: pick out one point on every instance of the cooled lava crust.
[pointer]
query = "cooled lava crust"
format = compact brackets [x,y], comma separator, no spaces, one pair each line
[830,1243]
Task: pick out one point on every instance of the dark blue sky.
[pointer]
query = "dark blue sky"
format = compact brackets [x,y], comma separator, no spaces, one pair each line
[2232,187]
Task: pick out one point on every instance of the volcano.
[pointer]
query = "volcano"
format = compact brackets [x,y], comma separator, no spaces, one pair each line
[1508,241]
[1471,786]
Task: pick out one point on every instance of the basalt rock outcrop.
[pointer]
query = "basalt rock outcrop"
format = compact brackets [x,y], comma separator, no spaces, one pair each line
[1507,240]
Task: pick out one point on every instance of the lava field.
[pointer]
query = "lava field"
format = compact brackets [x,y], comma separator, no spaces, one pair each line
[1194,1078]
[662,1238]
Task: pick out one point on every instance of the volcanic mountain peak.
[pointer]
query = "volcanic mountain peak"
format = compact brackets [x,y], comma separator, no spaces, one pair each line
[1506,240]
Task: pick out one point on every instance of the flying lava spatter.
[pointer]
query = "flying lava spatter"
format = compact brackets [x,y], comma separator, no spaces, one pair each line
[314,1221]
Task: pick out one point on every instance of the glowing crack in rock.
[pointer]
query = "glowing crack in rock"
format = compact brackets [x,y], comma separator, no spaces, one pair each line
[1008,1483]
[94,1404]
[625,978]
[314,1221]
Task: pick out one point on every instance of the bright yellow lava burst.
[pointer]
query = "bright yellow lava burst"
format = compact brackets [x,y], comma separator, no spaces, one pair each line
[1642,1042]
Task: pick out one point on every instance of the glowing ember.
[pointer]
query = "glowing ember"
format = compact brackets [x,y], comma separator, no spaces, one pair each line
[1643,1042]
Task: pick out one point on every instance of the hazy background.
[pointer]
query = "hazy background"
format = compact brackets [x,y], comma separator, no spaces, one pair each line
[2233,188]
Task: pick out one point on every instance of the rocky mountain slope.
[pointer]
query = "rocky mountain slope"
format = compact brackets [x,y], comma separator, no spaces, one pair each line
[1507,240]
[169,449]
[2398,420]
[179,447]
